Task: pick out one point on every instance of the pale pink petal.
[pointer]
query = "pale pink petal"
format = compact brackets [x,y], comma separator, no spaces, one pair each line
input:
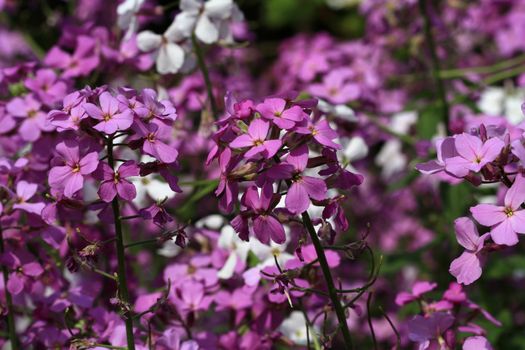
[466,233]
[517,221]
[488,214]
[272,146]
[73,184]
[504,234]
[466,268]
[458,166]
[241,141]
[515,195]
[491,149]
[468,146]
[258,129]
[298,157]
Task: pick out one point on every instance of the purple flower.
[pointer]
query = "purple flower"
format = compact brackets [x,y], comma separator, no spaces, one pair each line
[80,63]
[24,192]
[303,187]
[265,223]
[35,121]
[335,89]
[256,140]
[23,267]
[114,182]
[424,329]
[418,290]
[111,118]
[228,189]
[69,177]
[467,267]
[46,86]
[505,221]
[275,110]
[446,149]
[473,154]
[151,135]
[321,132]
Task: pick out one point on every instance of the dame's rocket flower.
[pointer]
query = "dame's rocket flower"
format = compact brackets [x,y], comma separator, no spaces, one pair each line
[303,187]
[467,267]
[34,120]
[473,154]
[505,221]
[69,177]
[115,182]
[256,140]
[274,109]
[24,192]
[111,118]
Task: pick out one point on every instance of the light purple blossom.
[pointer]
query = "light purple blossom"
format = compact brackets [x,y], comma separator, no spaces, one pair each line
[115,182]
[111,118]
[256,140]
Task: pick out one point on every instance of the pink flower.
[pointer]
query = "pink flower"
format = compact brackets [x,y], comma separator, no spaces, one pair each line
[467,267]
[504,221]
[446,149]
[265,223]
[425,329]
[69,178]
[256,140]
[34,120]
[477,343]
[303,187]
[23,266]
[80,63]
[24,192]
[115,182]
[153,145]
[473,154]
[111,118]
[418,290]
[335,89]
[275,110]
[321,132]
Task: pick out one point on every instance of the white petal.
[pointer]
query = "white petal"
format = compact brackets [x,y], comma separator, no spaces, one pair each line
[148,41]
[221,9]
[190,5]
[170,58]
[178,30]
[206,31]
[159,190]
[229,267]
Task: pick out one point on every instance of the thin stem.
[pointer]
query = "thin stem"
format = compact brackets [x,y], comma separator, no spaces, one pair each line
[440,88]
[398,337]
[204,70]
[340,312]
[369,319]
[121,259]
[147,241]
[9,302]
[460,72]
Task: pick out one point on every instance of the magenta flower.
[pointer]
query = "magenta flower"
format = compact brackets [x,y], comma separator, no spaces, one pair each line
[419,288]
[446,149]
[24,192]
[303,187]
[477,342]
[69,177]
[114,182]
[274,109]
[46,86]
[425,329]
[80,63]
[256,140]
[111,118]
[35,121]
[228,188]
[473,154]
[505,221]
[335,89]
[265,223]
[467,267]
[151,135]
[23,266]
[321,132]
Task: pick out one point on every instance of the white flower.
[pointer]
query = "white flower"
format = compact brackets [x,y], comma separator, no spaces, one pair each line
[127,16]
[341,111]
[169,54]
[229,240]
[496,101]
[391,157]
[294,328]
[209,20]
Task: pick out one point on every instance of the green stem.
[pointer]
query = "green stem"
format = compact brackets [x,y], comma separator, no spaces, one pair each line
[511,73]
[440,88]
[332,293]
[503,65]
[204,70]
[148,241]
[121,259]
[9,302]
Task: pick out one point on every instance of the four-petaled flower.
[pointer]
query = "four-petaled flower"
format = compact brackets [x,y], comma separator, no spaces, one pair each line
[115,182]
[256,140]
[111,118]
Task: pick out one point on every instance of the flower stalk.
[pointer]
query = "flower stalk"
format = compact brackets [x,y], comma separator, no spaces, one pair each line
[205,74]
[9,301]
[121,259]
